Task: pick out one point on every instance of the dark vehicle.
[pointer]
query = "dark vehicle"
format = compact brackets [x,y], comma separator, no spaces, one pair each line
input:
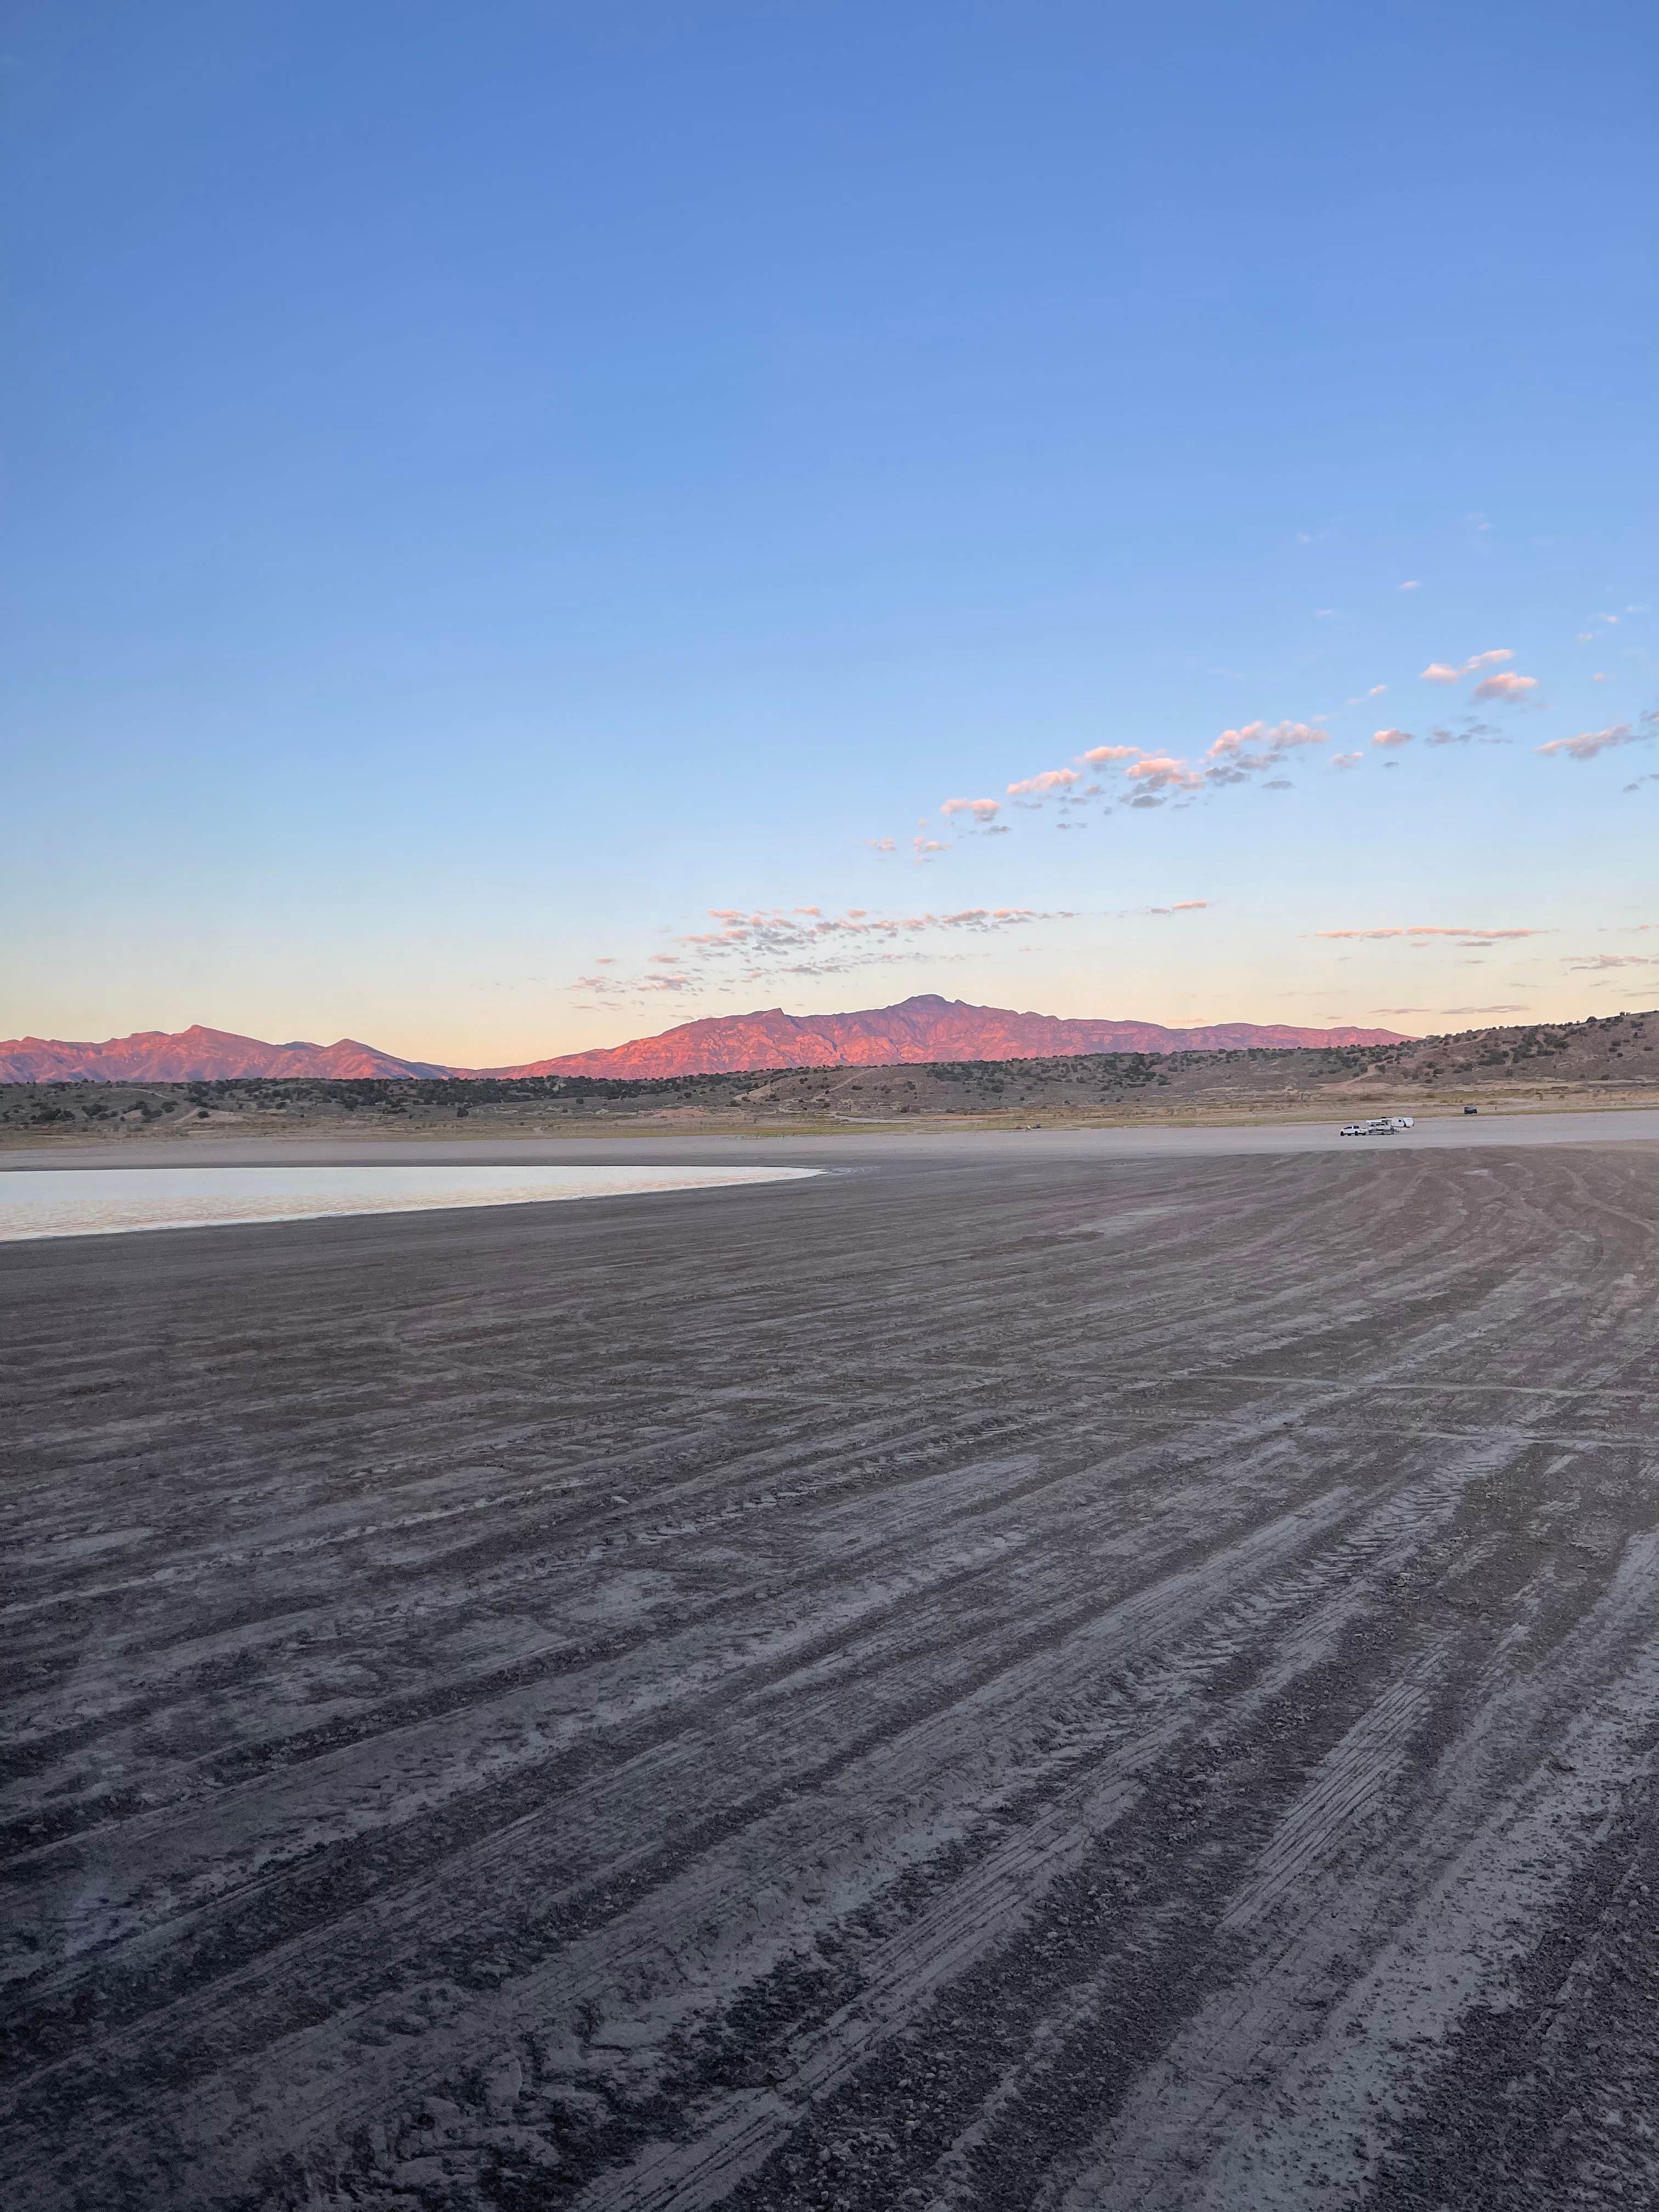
[1471,1109]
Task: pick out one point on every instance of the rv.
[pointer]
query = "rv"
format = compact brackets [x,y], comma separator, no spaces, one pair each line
[1385,1124]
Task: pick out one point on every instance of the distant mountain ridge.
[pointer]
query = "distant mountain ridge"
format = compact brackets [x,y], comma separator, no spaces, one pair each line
[924,1028]
[194,1055]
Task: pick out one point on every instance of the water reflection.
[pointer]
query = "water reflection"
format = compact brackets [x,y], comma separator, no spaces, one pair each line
[108,1201]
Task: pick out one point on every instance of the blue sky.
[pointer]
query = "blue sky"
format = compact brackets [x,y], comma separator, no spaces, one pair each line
[513,507]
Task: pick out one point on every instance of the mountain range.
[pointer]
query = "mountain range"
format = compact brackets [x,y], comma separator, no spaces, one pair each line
[194,1055]
[917,1029]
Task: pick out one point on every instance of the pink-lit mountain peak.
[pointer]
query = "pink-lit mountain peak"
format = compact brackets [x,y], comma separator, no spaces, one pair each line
[926,1028]
[916,1030]
[194,1055]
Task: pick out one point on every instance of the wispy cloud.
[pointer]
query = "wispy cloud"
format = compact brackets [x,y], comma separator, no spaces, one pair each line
[1411,584]
[747,947]
[1162,772]
[1442,672]
[1392,738]
[1236,755]
[1591,743]
[1271,740]
[1597,961]
[1051,780]
[1470,936]
[1347,760]
[1472,733]
[1148,778]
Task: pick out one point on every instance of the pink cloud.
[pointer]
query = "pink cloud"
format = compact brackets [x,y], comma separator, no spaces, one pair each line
[1392,738]
[983,810]
[1052,779]
[1162,772]
[1472,936]
[1509,690]
[1347,760]
[1272,740]
[925,848]
[1441,672]
[1099,753]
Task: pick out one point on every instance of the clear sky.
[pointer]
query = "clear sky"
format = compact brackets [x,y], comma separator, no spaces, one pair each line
[522,515]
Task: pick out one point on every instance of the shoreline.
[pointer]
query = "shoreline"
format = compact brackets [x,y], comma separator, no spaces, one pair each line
[854,1147]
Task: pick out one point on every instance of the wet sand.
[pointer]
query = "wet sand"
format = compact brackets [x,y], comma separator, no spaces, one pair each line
[1083,1669]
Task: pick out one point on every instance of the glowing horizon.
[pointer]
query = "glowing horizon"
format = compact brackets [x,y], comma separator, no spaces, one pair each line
[952,521]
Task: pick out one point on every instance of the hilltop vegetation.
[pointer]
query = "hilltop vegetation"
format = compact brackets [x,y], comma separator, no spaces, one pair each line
[1601,1059]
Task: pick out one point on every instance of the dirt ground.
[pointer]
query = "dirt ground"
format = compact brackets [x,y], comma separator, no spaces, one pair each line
[1088,1670]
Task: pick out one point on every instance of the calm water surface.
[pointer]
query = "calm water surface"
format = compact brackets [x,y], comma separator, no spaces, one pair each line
[109,1201]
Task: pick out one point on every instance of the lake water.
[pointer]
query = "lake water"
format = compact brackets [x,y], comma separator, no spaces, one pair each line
[110,1202]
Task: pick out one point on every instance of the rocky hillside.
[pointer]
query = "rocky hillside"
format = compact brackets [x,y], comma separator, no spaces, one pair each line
[1617,1053]
[194,1055]
[920,1029]
[916,1031]
[1613,1059]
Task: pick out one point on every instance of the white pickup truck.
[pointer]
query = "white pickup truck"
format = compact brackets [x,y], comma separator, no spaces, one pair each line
[1385,1124]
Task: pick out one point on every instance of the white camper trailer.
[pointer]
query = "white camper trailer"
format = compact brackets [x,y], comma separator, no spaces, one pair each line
[1384,1125]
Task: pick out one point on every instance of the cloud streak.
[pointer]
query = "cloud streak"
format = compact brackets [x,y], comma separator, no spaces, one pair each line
[748,946]
[1442,672]
[1423,932]
[1051,780]
[1589,744]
